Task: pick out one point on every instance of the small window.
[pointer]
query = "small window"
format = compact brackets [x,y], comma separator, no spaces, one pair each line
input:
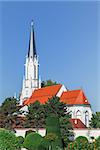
[34,72]
[78,114]
[86,118]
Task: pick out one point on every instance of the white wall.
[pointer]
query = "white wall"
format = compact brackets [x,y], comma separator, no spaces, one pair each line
[77,132]
[62,89]
[82,109]
[87,133]
[22,131]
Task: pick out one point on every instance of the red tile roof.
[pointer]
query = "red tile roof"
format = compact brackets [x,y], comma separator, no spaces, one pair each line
[43,94]
[74,97]
[77,123]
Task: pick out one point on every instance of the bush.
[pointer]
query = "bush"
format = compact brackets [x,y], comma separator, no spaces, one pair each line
[53,127]
[79,143]
[80,139]
[96,144]
[8,140]
[28,132]
[32,141]
[20,140]
[44,145]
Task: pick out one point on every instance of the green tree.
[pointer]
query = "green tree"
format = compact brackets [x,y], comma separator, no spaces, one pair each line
[20,141]
[59,109]
[36,116]
[32,141]
[38,113]
[97,144]
[9,106]
[53,134]
[48,83]
[56,107]
[7,110]
[95,120]
[66,130]
[8,140]
[28,132]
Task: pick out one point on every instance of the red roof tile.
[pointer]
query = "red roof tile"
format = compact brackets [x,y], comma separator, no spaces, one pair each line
[43,94]
[77,123]
[74,97]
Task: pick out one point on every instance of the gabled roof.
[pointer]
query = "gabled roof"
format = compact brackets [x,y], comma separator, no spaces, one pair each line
[43,94]
[74,97]
[77,123]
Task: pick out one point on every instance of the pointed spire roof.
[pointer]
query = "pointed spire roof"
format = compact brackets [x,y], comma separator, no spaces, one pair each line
[32,47]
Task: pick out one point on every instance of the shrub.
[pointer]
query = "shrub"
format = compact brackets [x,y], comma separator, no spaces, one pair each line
[79,143]
[53,127]
[32,141]
[20,140]
[8,140]
[28,132]
[44,145]
[80,139]
[97,143]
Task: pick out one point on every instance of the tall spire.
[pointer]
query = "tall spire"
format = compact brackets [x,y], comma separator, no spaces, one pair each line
[32,47]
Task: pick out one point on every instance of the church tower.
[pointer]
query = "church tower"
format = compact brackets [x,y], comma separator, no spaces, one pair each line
[31,76]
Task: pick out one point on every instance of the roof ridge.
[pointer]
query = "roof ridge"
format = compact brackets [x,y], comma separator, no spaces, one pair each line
[72,90]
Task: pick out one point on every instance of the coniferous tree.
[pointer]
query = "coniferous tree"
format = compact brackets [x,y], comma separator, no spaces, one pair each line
[7,110]
[95,120]
[36,115]
[56,107]
[59,109]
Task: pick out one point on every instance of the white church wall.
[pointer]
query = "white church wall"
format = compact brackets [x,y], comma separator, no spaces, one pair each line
[88,133]
[78,111]
[62,89]
[22,131]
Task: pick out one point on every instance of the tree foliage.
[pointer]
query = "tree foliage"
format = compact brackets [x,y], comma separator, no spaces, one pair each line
[7,110]
[53,134]
[48,83]
[80,143]
[36,116]
[95,120]
[56,107]
[8,140]
[66,130]
[59,109]
[28,132]
[9,106]
[38,113]
[32,141]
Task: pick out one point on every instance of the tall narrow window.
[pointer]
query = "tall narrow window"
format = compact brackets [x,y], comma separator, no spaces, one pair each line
[86,118]
[78,114]
[34,72]
[71,114]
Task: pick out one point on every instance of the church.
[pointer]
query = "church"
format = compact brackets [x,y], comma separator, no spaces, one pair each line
[76,101]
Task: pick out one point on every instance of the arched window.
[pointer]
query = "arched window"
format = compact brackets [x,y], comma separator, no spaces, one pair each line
[71,114]
[34,72]
[86,118]
[78,114]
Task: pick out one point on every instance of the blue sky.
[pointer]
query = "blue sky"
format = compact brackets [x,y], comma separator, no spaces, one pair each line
[67,40]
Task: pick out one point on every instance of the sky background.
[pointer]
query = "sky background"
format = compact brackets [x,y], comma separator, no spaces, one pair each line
[67,41]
